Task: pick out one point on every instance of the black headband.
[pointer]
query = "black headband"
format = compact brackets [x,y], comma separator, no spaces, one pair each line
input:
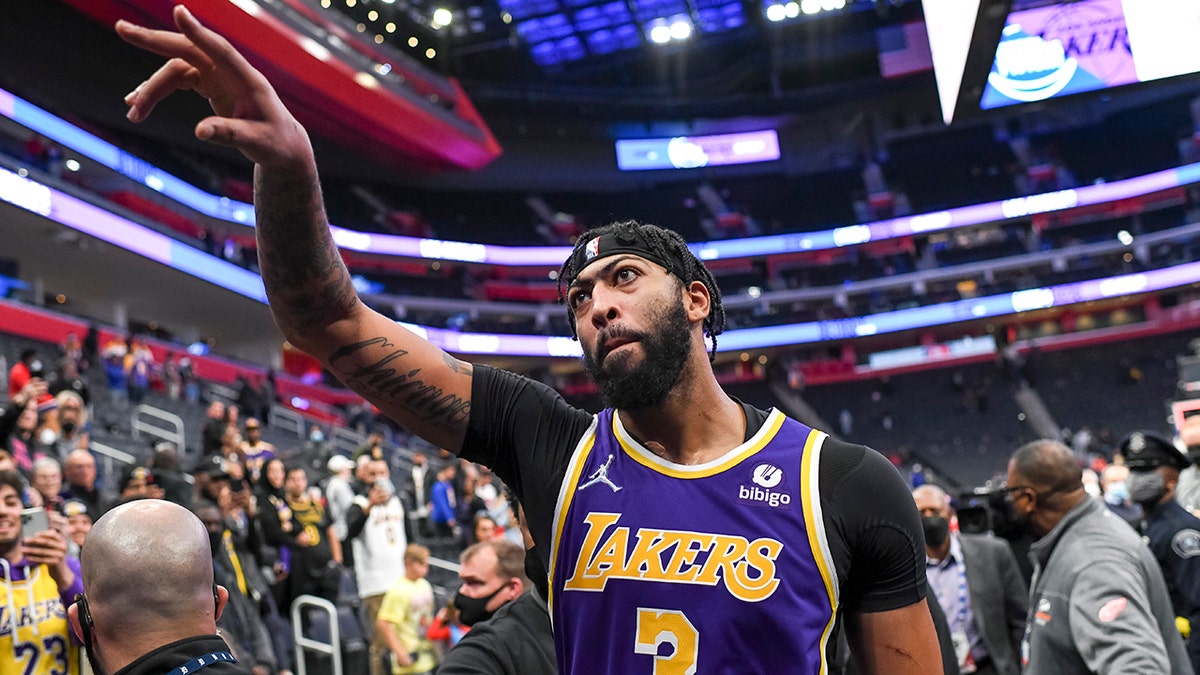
[624,242]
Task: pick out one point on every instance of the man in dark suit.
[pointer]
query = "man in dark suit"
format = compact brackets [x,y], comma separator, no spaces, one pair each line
[978,586]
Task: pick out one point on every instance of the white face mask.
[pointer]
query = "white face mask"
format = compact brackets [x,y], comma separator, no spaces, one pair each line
[47,437]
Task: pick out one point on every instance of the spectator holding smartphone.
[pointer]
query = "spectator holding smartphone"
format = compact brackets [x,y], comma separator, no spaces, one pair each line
[375,530]
[35,573]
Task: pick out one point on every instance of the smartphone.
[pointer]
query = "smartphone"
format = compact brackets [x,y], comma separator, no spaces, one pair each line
[34,520]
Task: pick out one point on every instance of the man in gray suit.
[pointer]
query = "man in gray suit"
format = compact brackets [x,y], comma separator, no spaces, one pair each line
[978,586]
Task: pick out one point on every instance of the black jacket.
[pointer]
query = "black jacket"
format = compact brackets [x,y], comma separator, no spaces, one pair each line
[516,641]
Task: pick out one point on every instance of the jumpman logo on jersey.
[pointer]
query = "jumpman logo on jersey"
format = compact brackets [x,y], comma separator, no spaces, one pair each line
[601,476]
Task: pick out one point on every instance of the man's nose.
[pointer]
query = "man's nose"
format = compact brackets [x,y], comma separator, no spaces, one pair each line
[605,306]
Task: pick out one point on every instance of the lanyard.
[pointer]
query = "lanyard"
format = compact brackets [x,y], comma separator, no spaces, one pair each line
[201,662]
[962,593]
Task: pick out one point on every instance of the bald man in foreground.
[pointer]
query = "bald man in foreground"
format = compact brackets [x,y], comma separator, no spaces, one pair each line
[151,605]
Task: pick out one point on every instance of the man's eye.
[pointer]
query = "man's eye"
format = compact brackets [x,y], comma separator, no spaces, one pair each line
[578,299]
[626,274]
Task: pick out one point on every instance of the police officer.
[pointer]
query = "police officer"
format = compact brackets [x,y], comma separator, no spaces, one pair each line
[1172,532]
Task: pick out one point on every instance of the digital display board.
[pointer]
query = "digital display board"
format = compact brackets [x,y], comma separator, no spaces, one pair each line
[691,152]
[1070,48]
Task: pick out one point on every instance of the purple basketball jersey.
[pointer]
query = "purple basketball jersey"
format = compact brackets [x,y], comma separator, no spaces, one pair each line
[715,568]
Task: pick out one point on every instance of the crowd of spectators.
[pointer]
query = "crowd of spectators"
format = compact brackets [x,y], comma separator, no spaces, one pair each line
[283,522]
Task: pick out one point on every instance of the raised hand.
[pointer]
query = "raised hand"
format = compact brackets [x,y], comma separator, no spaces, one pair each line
[249,114]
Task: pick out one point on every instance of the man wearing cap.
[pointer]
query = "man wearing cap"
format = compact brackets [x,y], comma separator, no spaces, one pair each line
[79,523]
[339,492]
[683,530]
[1173,533]
[137,482]
[212,478]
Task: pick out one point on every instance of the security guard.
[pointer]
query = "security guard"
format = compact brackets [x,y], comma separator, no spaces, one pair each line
[1172,532]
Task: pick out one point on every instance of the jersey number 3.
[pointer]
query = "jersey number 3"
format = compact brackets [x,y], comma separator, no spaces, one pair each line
[656,626]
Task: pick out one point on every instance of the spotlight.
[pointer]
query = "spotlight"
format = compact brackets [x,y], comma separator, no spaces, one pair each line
[776,13]
[681,28]
[442,17]
[660,34]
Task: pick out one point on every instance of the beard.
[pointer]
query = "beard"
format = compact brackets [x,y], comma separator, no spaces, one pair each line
[665,352]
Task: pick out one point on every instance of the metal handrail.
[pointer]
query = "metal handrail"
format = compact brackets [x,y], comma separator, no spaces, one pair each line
[174,435]
[109,455]
[333,648]
[285,419]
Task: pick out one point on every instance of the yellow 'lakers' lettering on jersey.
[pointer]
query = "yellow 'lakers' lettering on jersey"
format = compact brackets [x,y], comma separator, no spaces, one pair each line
[747,567]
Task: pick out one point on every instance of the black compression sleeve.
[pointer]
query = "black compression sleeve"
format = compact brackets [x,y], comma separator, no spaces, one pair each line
[525,432]
[881,546]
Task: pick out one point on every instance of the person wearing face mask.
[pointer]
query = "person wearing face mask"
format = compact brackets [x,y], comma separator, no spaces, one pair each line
[1172,532]
[977,584]
[510,635]
[405,614]
[1114,483]
[1098,602]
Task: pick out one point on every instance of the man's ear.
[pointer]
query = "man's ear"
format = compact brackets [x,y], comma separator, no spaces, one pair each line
[222,598]
[73,619]
[518,587]
[697,301]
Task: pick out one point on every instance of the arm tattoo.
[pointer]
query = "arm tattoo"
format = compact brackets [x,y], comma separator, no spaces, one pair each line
[306,281]
[458,366]
[381,376]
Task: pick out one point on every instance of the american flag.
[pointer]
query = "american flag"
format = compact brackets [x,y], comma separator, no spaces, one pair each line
[903,50]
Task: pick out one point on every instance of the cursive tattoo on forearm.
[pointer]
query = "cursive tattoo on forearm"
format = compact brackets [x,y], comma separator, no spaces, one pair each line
[306,281]
[375,368]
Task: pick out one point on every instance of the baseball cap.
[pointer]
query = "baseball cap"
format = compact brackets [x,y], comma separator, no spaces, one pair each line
[135,473]
[213,466]
[339,463]
[75,507]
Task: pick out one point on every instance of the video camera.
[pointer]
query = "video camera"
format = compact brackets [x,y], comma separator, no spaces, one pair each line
[985,509]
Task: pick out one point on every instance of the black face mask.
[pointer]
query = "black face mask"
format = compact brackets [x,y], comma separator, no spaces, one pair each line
[937,529]
[68,427]
[473,610]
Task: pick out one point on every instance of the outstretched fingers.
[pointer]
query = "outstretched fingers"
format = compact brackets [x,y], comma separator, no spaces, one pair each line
[223,56]
[163,42]
[174,75]
[249,114]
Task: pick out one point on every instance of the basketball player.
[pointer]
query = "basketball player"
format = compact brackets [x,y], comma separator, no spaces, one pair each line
[38,581]
[684,530]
